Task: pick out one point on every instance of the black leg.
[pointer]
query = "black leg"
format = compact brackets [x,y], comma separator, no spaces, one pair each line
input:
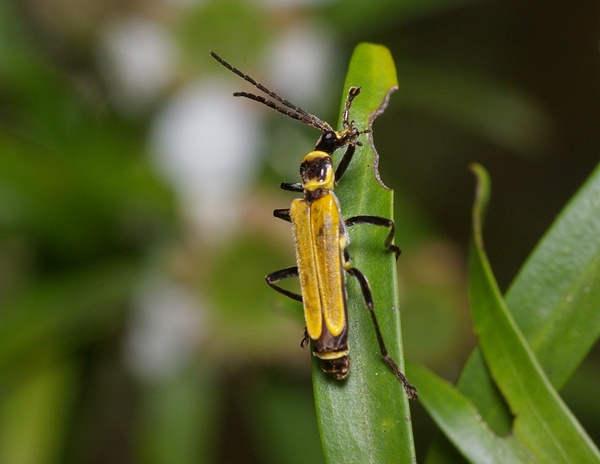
[306,340]
[344,162]
[410,390]
[283,214]
[283,274]
[365,288]
[292,186]
[378,221]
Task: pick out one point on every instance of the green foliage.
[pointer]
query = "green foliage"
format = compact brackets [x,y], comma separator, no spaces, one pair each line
[543,424]
[544,429]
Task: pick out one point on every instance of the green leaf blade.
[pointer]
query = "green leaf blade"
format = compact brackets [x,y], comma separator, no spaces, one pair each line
[543,422]
[365,418]
[553,301]
[460,421]
[555,296]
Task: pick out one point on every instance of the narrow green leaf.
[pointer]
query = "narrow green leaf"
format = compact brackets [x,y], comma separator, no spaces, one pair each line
[176,417]
[554,302]
[35,411]
[543,423]
[555,297]
[365,418]
[460,421]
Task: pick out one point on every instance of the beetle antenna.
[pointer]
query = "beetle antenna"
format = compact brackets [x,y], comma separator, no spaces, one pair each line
[295,113]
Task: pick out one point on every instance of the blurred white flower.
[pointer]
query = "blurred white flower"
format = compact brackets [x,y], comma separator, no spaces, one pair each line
[206,143]
[165,330]
[137,58]
[300,64]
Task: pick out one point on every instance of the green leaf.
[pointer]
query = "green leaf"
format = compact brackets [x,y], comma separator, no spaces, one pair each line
[460,421]
[35,411]
[176,417]
[365,418]
[543,423]
[544,430]
[554,302]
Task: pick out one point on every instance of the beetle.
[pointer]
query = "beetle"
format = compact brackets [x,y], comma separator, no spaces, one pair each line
[321,237]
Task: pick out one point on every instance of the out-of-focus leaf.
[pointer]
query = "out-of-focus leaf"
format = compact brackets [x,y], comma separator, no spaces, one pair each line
[283,422]
[358,15]
[177,416]
[34,413]
[496,112]
[68,309]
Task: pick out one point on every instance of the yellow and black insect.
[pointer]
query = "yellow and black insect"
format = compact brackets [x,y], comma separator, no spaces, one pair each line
[321,237]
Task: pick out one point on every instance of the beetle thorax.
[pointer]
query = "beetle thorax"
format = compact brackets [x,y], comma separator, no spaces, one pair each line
[317,171]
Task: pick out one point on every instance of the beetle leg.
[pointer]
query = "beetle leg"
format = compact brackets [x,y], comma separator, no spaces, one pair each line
[292,186]
[283,214]
[305,340]
[283,274]
[411,391]
[381,222]
[344,162]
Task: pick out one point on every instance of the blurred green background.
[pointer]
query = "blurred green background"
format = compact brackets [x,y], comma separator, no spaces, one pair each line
[136,196]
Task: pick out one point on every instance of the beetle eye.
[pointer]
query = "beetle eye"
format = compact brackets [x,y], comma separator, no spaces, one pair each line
[328,142]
